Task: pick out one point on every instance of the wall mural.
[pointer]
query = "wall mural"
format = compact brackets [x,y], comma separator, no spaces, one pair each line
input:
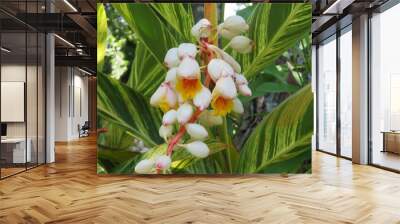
[204,88]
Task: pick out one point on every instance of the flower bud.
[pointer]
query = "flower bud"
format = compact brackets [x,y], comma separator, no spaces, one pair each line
[163,162]
[218,68]
[169,117]
[225,33]
[226,88]
[236,24]
[188,68]
[240,79]
[171,76]
[237,106]
[241,44]
[208,118]
[187,50]
[145,166]
[198,149]
[201,29]
[171,58]
[165,131]
[202,99]
[226,57]
[184,113]
[244,90]
[164,97]
[158,95]
[196,131]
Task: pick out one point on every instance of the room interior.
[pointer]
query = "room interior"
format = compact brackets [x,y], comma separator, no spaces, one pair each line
[29,58]
[22,100]
[334,83]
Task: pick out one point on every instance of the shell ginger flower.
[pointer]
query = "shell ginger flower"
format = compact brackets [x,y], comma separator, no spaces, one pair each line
[193,97]
[188,82]
[223,95]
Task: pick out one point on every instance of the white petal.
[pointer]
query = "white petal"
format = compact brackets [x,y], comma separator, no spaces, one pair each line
[195,31]
[171,58]
[237,106]
[220,27]
[165,131]
[171,76]
[171,97]
[187,50]
[184,113]
[180,99]
[158,95]
[198,149]
[218,68]
[244,90]
[226,33]
[201,29]
[169,117]
[208,119]
[144,167]
[235,65]
[241,44]
[196,131]
[226,88]
[226,57]
[202,99]
[236,24]
[240,79]
[163,162]
[188,68]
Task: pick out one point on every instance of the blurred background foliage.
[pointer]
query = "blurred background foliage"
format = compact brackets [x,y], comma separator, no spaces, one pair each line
[274,134]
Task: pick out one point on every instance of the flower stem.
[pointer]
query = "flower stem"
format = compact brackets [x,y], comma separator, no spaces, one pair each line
[181,133]
[211,13]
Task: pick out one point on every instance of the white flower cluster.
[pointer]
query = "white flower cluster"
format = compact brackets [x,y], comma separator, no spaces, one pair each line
[185,96]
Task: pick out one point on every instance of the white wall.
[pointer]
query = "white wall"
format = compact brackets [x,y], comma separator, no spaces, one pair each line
[71,94]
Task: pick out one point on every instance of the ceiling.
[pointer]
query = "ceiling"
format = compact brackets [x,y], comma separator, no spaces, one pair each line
[74,22]
[332,15]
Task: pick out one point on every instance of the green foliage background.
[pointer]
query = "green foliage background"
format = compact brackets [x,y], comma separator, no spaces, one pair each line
[274,134]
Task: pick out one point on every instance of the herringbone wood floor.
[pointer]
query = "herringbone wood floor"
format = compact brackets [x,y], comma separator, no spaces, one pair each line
[69,191]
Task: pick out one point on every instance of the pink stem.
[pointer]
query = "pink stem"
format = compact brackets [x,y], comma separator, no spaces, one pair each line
[181,132]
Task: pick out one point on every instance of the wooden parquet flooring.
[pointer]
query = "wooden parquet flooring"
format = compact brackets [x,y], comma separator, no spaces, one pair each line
[69,191]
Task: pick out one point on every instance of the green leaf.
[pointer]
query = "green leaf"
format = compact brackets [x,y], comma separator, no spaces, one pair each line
[101,169]
[101,35]
[146,73]
[274,28]
[230,156]
[283,134]
[246,12]
[210,165]
[261,89]
[123,106]
[115,156]
[178,17]
[115,138]
[279,72]
[157,32]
